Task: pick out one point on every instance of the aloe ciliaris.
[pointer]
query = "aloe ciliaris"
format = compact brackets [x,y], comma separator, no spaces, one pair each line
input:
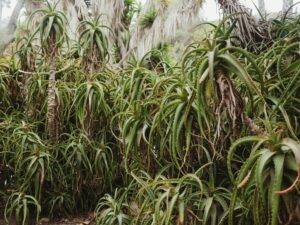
[90,98]
[52,32]
[265,172]
[210,139]
[93,45]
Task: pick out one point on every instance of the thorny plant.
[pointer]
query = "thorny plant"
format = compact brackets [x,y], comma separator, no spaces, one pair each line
[213,139]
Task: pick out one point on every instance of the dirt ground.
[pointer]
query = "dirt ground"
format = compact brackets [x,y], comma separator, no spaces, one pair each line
[87,219]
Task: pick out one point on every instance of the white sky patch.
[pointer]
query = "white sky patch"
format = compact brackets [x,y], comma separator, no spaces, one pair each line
[7,11]
[210,10]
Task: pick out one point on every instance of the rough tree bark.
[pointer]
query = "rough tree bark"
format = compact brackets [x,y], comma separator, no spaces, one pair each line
[75,11]
[30,7]
[52,104]
[111,13]
[8,33]
[247,27]
[171,16]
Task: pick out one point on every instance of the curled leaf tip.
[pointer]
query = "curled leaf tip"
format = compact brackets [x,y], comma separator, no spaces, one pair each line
[244,181]
[291,188]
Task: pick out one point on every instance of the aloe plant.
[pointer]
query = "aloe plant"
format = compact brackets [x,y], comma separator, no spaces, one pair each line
[209,138]
[52,34]
[269,179]
[93,44]
[20,202]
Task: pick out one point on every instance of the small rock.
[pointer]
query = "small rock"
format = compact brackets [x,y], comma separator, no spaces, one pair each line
[44,221]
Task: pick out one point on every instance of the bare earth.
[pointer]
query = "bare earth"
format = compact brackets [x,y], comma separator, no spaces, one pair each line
[72,220]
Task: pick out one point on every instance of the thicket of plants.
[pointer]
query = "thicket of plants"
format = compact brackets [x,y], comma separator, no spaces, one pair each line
[212,139]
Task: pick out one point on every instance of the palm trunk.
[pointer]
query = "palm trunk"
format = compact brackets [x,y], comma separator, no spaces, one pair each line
[75,11]
[31,7]
[171,17]
[111,12]
[247,28]
[82,9]
[52,126]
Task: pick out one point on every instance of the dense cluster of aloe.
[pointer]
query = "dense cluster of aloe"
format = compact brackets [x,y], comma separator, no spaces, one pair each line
[212,139]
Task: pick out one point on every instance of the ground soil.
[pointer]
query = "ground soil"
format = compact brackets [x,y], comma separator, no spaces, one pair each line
[87,219]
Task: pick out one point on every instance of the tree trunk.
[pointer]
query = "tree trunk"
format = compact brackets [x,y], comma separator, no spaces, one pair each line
[30,7]
[171,16]
[247,28]
[75,11]
[82,9]
[287,4]
[52,125]
[8,33]
[111,12]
